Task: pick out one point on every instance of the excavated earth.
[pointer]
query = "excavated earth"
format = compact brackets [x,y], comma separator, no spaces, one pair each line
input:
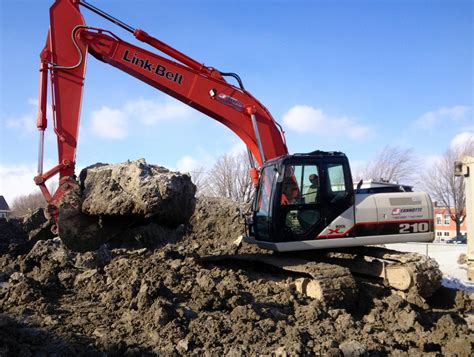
[151,291]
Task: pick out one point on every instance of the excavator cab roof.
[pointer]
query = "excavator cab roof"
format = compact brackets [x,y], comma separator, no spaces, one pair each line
[306,157]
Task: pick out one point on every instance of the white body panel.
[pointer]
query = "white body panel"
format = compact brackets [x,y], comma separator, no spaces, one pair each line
[380,218]
[342,242]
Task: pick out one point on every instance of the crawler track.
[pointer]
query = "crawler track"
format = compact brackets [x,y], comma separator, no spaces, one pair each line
[423,276]
[332,284]
[328,276]
[415,275]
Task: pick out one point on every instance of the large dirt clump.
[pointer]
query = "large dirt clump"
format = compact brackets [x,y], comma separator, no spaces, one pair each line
[110,200]
[135,188]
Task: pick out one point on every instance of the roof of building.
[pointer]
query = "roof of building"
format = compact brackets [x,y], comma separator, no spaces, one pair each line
[441,209]
[3,204]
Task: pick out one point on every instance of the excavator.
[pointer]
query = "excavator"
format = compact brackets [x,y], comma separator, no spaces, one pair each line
[302,201]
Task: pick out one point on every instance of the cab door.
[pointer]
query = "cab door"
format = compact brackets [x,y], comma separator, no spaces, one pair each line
[338,197]
[298,202]
[262,211]
[312,194]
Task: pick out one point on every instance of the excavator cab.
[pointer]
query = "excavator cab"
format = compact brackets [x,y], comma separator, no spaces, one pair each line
[299,195]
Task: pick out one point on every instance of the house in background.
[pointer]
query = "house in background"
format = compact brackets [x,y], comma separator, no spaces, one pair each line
[445,227]
[4,209]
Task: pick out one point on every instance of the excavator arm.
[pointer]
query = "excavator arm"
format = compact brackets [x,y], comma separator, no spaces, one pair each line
[64,58]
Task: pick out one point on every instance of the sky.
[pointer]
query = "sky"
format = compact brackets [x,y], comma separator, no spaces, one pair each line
[351,76]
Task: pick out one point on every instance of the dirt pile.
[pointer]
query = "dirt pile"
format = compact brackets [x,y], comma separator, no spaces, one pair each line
[19,235]
[159,296]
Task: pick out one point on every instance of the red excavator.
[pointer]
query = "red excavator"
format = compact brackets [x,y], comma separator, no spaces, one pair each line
[302,201]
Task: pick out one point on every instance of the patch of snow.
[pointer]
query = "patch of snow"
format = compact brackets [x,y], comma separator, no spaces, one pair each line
[455,283]
[446,255]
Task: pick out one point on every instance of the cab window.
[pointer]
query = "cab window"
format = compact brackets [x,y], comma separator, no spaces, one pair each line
[265,190]
[337,189]
[300,185]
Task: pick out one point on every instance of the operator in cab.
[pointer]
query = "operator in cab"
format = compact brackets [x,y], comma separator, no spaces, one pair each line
[311,194]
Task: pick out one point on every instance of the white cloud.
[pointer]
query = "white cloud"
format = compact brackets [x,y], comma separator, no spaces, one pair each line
[357,167]
[306,119]
[238,148]
[113,123]
[106,122]
[430,119]
[201,160]
[150,112]
[17,180]
[188,164]
[428,161]
[26,122]
[109,123]
[462,140]
[197,165]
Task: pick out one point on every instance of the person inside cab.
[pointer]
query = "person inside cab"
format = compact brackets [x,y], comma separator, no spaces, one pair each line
[291,191]
[311,194]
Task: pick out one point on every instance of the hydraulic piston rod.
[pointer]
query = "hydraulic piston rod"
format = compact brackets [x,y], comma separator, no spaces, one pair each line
[107,16]
[257,135]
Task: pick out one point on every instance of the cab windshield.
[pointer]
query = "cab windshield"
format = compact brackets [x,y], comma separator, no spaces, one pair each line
[264,202]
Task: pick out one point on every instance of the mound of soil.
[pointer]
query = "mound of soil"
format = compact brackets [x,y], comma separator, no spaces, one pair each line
[18,236]
[145,294]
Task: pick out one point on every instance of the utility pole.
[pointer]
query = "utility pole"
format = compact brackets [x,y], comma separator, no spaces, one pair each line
[465,168]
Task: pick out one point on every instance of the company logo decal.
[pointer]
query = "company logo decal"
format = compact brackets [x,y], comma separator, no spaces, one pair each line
[157,69]
[399,211]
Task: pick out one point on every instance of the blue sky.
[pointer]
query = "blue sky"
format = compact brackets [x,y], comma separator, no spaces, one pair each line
[352,76]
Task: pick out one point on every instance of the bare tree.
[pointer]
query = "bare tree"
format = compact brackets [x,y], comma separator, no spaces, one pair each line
[446,188]
[199,178]
[392,164]
[27,204]
[230,178]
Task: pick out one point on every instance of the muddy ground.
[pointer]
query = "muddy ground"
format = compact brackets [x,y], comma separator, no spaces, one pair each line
[140,295]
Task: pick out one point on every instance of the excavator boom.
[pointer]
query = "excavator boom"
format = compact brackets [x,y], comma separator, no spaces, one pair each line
[204,88]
